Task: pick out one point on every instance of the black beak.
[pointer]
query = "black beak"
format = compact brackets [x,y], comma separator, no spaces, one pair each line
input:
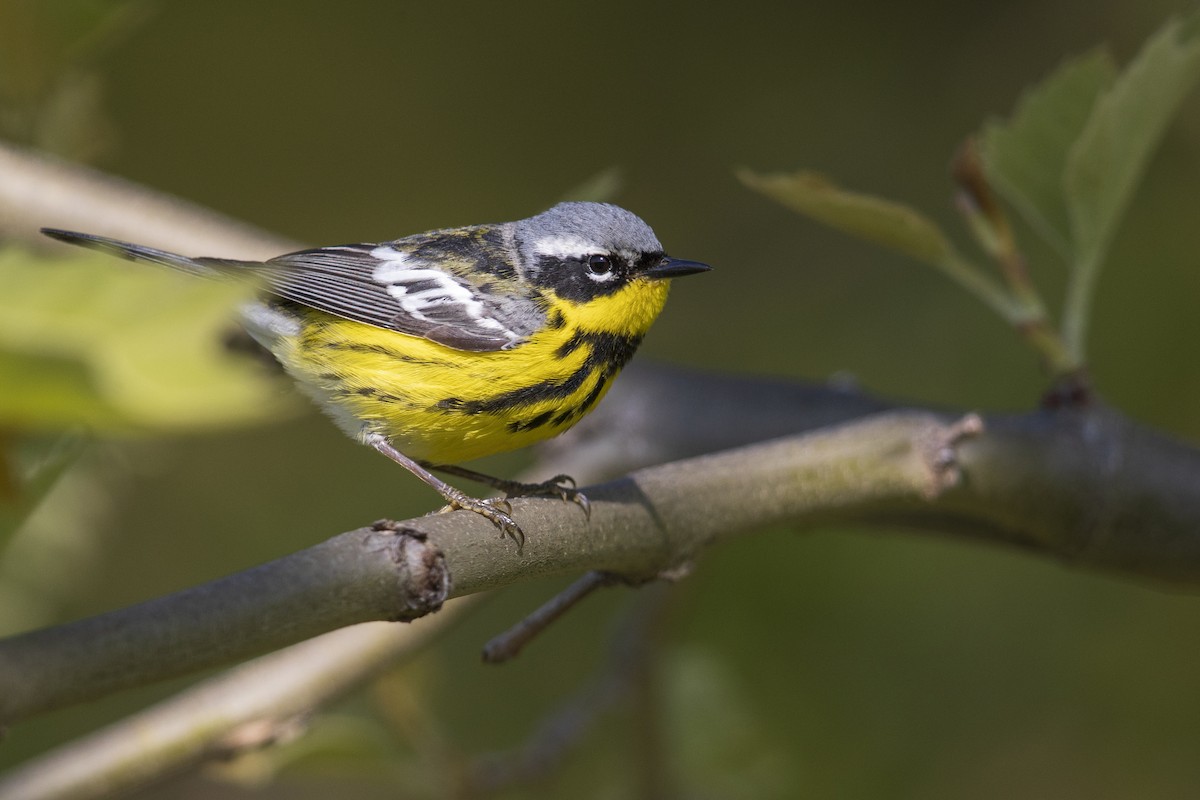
[675,268]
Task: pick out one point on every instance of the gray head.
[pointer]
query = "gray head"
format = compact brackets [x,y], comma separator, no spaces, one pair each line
[582,250]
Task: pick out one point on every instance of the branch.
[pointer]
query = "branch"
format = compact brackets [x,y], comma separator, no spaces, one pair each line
[649,522]
[37,190]
[249,707]
[1087,485]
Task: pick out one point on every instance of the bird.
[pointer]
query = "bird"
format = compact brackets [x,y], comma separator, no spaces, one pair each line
[457,343]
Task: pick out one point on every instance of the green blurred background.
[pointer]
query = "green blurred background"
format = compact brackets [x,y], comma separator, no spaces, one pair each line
[836,663]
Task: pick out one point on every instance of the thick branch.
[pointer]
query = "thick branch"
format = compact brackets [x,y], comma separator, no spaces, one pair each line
[361,576]
[1088,486]
[652,521]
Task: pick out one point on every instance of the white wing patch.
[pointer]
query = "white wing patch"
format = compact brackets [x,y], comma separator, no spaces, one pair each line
[420,290]
[392,265]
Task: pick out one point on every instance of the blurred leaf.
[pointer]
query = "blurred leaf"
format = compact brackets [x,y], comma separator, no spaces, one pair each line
[1026,157]
[8,478]
[52,539]
[882,221]
[41,40]
[1108,160]
[599,188]
[31,467]
[72,122]
[48,95]
[720,739]
[86,341]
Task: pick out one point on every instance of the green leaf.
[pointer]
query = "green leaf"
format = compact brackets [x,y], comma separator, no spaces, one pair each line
[1106,163]
[1025,158]
[884,222]
[1125,127]
[117,348]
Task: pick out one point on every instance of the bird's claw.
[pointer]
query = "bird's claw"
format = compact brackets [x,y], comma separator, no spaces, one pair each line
[555,488]
[490,509]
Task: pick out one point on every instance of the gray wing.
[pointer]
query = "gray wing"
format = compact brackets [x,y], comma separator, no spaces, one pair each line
[398,286]
[391,287]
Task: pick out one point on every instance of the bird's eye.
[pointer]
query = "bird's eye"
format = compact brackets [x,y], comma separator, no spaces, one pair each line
[599,265]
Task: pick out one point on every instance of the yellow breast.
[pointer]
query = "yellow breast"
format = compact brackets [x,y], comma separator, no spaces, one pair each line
[443,405]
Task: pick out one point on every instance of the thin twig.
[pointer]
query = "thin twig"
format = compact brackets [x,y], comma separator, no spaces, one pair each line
[508,645]
[629,662]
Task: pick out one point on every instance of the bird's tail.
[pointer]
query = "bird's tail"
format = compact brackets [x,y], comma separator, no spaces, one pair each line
[203,267]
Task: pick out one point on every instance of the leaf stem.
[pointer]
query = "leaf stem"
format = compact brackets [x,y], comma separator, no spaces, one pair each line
[1021,309]
[970,277]
[1077,307]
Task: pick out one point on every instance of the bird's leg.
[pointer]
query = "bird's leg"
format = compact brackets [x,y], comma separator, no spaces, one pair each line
[552,488]
[489,509]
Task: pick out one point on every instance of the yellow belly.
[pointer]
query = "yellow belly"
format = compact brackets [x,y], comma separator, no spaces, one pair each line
[443,405]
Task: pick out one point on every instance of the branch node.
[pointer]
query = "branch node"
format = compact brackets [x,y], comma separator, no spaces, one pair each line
[677,572]
[1069,391]
[261,733]
[939,451]
[424,576]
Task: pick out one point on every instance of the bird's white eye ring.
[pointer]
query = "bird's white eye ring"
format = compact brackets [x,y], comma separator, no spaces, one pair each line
[599,266]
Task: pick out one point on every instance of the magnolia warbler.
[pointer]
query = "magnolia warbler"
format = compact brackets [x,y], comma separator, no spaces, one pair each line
[458,343]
